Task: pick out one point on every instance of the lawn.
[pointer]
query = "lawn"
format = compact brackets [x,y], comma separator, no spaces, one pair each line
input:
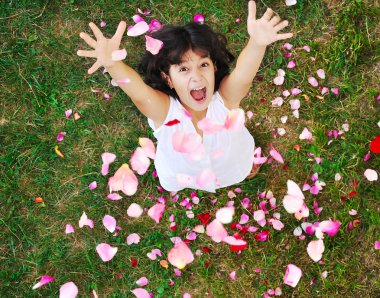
[41,192]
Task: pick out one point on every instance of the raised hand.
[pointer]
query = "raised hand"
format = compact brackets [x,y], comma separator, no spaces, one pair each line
[264,31]
[103,47]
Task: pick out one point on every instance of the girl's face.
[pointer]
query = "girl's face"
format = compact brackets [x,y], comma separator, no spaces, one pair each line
[193,80]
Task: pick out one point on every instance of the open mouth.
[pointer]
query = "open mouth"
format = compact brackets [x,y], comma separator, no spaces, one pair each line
[198,94]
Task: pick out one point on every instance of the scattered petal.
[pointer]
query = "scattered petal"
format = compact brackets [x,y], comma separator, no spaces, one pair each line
[124,180]
[139,292]
[45,279]
[292,275]
[134,210]
[315,249]
[180,255]
[68,290]
[321,73]
[371,175]
[106,252]
[153,45]
[119,55]
[138,29]
[142,282]
[93,185]
[156,211]
[110,223]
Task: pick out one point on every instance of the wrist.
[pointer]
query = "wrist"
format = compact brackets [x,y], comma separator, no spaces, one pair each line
[253,44]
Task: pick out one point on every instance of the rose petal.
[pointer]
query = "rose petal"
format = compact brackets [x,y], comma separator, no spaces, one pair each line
[225,215]
[315,249]
[68,290]
[106,252]
[119,55]
[45,279]
[142,282]
[153,45]
[156,211]
[138,29]
[292,275]
[180,255]
[371,175]
[69,229]
[110,223]
[141,293]
[134,210]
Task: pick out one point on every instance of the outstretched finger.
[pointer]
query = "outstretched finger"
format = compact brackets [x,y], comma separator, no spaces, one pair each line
[120,31]
[98,34]
[284,36]
[94,67]
[90,54]
[252,10]
[275,20]
[89,40]
[268,14]
[281,26]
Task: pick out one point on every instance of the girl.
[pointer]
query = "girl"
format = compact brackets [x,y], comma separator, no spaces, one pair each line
[187,81]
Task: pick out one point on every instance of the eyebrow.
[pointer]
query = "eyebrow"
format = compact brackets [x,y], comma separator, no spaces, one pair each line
[202,56]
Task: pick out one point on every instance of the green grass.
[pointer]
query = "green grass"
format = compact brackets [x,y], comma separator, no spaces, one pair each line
[41,77]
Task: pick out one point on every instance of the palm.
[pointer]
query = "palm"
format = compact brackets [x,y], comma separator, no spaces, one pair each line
[103,47]
[264,31]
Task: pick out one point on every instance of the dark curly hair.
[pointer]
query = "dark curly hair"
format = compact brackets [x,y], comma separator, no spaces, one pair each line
[177,41]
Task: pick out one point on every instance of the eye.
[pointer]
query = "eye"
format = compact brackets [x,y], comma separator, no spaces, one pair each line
[182,69]
[205,64]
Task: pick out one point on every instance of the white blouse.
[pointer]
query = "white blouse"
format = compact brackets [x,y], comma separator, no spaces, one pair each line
[228,154]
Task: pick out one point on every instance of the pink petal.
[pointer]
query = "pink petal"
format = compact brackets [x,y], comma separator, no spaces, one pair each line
[106,252]
[249,114]
[209,126]
[190,144]
[313,81]
[286,93]
[324,90]
[43,281]
[335,91]
[114,197]
[148,147]
[233,241]
[279,80]
[235,120]
[295,104]
[216,231]
[295,91]
[321,73]
[119,55]
[337,177]
[371,175]
[69,229]
[225,215]
[329,227]
[142,282]
[306,48]
[154,25]
[153,45]
[287,46]
[259,215]
[139,162]
[276,155]
[192,236]
[107,159]
[277,224]
[232,275]
[103,24]
[141,293]
[68,113]
[305,135]
[133,239]
[277,102]
[93,185]
[124,180]
[317,210]
[199,18]
[284,119]
[138,29]
[84,221]
[352,212]
[137,18]
[257,159]
[110,223]
[134,210]
[291,64]
[156,211]
[292,275]
[180,255]
[200,229]
[60,136]
[294,200]
[68,290]
[204,178]
[244,218]
[186,295]
[315,249]
[377,245]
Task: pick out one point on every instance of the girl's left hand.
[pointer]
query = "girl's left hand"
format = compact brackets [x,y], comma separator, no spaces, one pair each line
[264,31]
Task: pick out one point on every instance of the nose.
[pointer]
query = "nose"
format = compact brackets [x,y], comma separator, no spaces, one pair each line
[196,75]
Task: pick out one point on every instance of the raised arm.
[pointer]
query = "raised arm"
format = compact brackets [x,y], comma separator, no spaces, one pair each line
[152,103]
[262,32]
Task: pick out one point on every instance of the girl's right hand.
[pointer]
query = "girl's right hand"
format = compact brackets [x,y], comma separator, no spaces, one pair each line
[103,47]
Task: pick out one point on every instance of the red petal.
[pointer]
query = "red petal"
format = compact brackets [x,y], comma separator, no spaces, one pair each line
[355,183]
[352,193]
[133,262]
[206,249]
[238,247]
[172,122]
[233,225]
[374,146]
[187,241]
[204,218]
